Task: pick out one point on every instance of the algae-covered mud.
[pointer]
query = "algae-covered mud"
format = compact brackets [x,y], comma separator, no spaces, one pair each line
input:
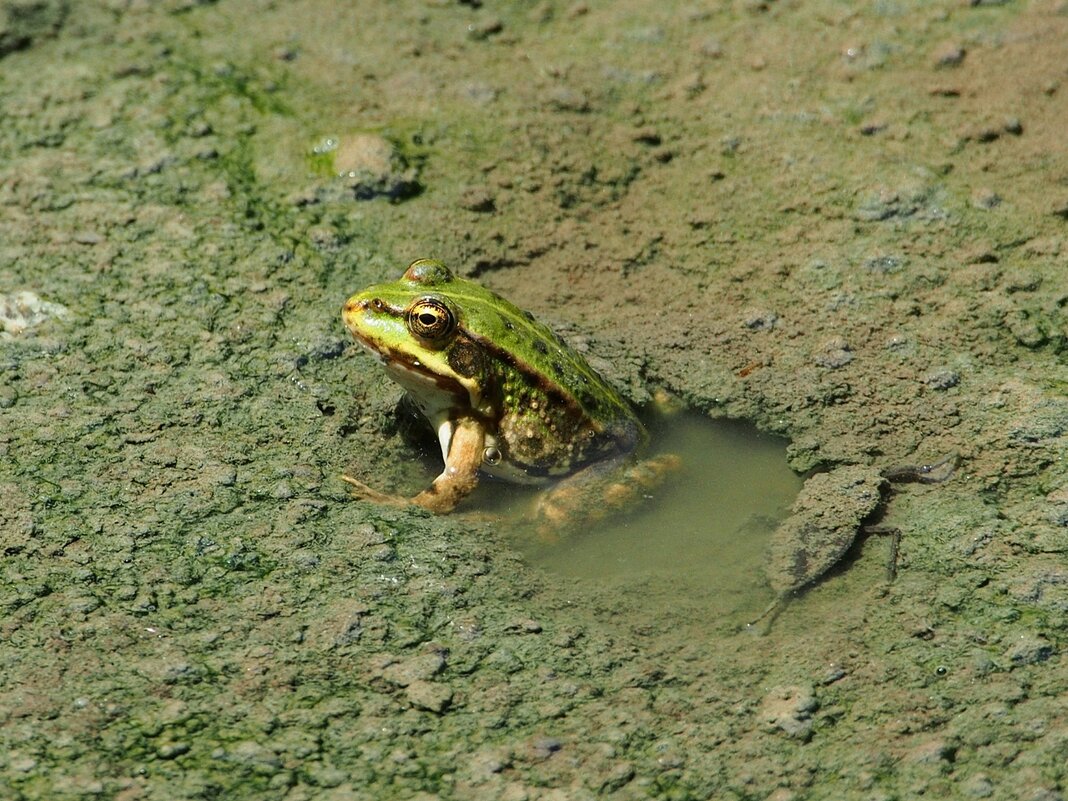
[846,224]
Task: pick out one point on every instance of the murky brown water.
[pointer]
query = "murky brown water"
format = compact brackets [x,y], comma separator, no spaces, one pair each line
[703,534]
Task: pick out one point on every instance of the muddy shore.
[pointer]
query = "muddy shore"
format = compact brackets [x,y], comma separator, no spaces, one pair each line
[844,223]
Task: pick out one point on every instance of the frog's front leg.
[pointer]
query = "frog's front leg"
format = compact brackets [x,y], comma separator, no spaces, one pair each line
[466,445]
[597,492]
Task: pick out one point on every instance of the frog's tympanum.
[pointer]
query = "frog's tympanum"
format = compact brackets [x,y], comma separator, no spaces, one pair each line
[505,395]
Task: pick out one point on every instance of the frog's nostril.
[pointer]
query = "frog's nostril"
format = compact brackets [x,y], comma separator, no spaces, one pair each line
[352,306]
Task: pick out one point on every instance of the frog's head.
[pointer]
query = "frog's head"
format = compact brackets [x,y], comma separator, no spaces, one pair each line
[416,328]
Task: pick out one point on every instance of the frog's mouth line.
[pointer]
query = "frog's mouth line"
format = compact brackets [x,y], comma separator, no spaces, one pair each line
[413,376]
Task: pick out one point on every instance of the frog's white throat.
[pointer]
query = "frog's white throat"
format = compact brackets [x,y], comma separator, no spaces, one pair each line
[439,401]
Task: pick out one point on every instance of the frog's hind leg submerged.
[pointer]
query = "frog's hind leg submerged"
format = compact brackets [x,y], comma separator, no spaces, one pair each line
[597,492]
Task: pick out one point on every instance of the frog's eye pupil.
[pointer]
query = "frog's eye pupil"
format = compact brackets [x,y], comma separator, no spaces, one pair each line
[429,318]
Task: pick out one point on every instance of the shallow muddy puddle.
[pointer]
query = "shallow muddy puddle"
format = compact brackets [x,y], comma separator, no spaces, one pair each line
[700,538]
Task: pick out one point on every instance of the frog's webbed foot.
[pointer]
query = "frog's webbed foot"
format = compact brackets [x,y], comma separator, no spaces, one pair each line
[455,482]
[366,493]
[441,497]
[598,492]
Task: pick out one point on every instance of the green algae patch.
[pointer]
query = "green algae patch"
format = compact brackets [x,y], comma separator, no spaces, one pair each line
[843,227]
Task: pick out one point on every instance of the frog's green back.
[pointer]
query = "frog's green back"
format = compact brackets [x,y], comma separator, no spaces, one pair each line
[513,337]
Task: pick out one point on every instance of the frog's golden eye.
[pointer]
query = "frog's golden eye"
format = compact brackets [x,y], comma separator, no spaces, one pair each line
[429,318]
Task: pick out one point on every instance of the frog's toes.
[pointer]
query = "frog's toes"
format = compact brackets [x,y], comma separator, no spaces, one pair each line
[366,493]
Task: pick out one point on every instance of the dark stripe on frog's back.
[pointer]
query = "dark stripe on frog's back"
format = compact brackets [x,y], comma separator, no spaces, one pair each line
[520,336]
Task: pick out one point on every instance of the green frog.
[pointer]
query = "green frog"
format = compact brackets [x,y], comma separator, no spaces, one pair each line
[505,394]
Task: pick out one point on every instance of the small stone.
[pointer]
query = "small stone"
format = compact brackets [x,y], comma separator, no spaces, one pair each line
[984,134]
[884,264]
[328,776]
[943,90]
[541,748]
[835,353]
[468,629]
[87,238]
[1027,331]
[978,786]
[710,48]
[372,166]
[283,490]
[477,199]
[172,750]
[563,98]
[524,626]
[1022,280]
[259,758]
[833,673]
[431,696]
[789,709]
[484,29]
[481,94]
[619,775]
[882,204]
[949,54]
[668,756]
[986,199]
[1027,649]
[418,668]
[647,135]
[759,319]
[20,311]
[942,378]
[84,604]
[490,761]
[931,752]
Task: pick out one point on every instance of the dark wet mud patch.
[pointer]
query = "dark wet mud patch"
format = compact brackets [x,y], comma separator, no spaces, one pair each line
[699,542]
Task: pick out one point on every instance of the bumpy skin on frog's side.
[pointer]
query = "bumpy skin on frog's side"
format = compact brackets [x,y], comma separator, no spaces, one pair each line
[505,394]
